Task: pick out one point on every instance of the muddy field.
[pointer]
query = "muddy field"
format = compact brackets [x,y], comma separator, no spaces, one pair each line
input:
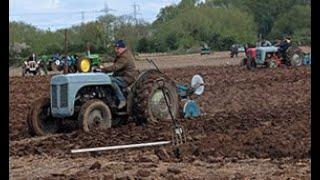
[256,126]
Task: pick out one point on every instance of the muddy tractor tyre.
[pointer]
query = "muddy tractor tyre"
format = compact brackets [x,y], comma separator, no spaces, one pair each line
[251,64]
[94,114]
[84,65]
[244,62]
[39,118]
[149,103]
[295,56]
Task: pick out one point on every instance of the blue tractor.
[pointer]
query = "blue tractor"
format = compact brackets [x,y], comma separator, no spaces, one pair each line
[273,56]
[89,100]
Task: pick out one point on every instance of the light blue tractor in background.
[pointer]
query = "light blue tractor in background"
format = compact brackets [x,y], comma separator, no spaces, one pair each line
[271,57]
[89,100]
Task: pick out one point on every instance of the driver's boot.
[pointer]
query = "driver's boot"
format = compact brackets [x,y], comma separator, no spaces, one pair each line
[122,104]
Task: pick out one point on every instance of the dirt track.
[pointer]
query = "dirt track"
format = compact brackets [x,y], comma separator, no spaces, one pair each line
[257,124]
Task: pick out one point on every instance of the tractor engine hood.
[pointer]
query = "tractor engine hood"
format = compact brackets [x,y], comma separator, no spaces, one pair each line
[268,49]
[262,51]
[81,78]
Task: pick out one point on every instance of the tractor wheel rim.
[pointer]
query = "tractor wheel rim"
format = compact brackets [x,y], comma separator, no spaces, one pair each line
[96,119]
[296,59]
[159,107]
[85,65]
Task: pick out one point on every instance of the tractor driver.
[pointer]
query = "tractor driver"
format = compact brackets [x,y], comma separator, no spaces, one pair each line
[284,45]
[124,70]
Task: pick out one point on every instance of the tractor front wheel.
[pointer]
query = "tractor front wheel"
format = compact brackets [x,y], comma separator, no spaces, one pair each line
[94,114]
[84,65]
[40,120]
[244,62]
[251,63]
[272,64]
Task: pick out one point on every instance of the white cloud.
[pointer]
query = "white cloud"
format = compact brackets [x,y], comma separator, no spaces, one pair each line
[34,5]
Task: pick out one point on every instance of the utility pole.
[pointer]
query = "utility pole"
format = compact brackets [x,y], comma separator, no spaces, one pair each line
[65,70]
[88,49]
[82,17]
[10,29]
[106,8]
[136,8]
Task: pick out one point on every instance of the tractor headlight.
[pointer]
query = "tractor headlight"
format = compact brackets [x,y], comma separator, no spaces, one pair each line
[57,62]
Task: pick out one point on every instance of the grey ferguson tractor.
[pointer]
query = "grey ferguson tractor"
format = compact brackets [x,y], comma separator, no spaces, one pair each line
[89,99]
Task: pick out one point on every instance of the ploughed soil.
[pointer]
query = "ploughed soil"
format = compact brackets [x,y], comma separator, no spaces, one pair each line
[256,124]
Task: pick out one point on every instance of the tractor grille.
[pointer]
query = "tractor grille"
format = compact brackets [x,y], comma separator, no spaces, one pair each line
[61,92]
[64,95]
[258,55]
[54,96]
[32,64]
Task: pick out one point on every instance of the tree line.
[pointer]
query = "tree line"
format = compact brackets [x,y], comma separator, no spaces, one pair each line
[180,28]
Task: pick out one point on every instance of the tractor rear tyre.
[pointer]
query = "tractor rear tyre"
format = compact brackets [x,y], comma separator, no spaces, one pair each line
[84,65]
[94,114]
[40,120]
[149,102]
[295,56]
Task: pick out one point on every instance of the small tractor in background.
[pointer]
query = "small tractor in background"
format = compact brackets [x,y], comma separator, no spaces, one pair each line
[71,60]
[205,49]
[32,66]
[236,49]
[48,63]
[89,62]
[272,57]
[89,100]
[78,62]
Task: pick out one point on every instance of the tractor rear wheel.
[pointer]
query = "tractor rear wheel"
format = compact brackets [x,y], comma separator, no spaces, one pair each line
[295,56]
[149,103]
[84,65]
[40,120]
[251,63]
[94,114]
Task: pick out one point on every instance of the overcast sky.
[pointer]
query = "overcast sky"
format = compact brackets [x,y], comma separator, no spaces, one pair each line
[54,14]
